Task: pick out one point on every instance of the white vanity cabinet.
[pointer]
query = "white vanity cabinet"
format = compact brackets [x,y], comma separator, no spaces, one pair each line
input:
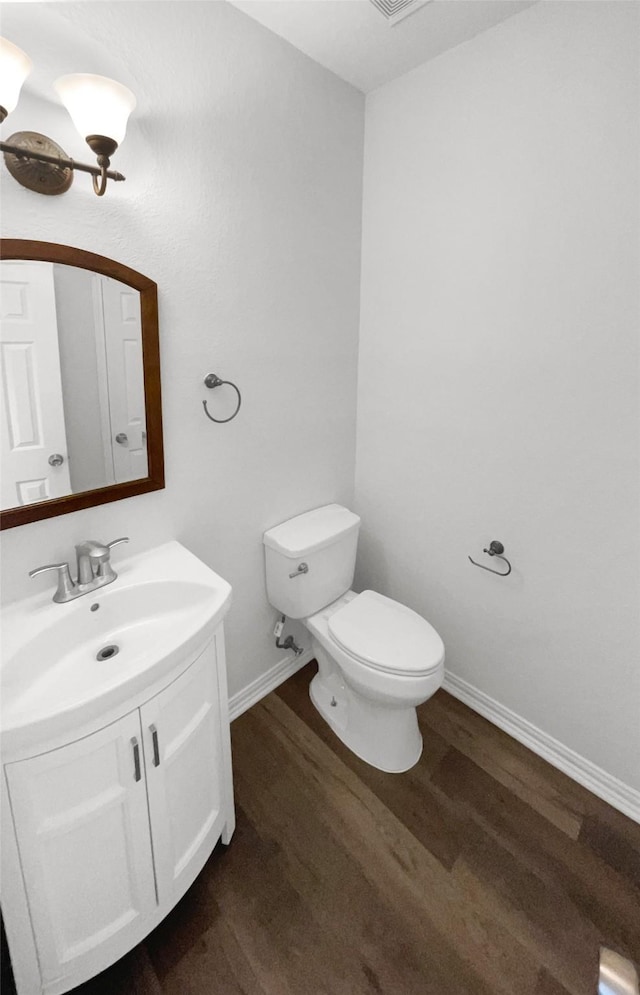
[82,824]
[185,778]
[108,831]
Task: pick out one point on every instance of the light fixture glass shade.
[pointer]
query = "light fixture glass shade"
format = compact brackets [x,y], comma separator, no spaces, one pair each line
[97,105]
[15,66]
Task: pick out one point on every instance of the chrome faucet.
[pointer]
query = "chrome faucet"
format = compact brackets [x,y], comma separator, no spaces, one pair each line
[94,570]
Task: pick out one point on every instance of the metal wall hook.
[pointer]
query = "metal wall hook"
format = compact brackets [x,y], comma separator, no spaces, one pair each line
[495,549]
[213,380]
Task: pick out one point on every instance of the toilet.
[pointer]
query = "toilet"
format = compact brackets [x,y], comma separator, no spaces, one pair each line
[377,659]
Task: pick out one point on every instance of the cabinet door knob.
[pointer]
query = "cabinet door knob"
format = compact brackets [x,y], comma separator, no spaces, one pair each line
[156,747]
[136,759]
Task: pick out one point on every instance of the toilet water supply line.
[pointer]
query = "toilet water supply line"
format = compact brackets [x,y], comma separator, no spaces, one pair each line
[288,643]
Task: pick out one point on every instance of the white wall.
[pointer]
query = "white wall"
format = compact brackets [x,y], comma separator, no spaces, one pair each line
[498,364]
[498,371]
[243,202]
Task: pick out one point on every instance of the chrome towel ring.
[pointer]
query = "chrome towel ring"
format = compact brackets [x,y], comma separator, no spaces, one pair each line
[213,380]
[495,549]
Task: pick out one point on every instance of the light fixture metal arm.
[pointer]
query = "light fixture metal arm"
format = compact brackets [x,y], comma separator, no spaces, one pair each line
[100,185]
[97,171]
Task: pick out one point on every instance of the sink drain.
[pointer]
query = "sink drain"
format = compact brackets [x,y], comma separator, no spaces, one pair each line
[107,652]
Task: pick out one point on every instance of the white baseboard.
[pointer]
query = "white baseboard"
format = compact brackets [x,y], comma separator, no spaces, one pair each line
[623,797]
[267,682]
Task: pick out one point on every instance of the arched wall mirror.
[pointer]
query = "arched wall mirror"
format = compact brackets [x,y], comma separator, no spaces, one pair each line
[79,382]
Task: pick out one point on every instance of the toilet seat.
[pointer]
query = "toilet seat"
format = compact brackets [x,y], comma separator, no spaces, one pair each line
[386,636]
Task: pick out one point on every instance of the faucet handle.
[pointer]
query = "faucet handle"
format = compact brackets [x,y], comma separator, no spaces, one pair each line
[65,583]
[105,571]
[116,542]
[48,566]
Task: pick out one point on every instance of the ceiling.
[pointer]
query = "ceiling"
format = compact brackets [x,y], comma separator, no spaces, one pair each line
[349,37]
[353,39]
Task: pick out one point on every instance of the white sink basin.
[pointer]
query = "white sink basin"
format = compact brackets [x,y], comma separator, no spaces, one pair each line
[163,608]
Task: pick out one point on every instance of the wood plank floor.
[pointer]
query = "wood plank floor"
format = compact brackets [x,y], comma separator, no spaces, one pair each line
[482,870]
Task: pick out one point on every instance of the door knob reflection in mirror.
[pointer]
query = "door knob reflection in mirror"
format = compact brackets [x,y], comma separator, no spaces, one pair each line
[56,459]
[121,438]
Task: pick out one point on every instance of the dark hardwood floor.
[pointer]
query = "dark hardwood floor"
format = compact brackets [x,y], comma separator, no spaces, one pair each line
[482,870]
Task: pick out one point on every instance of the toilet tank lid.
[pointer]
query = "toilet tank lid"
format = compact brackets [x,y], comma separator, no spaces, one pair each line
[312,530]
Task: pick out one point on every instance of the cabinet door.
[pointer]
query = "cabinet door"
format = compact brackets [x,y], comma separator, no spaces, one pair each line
[83,834]
[182,741]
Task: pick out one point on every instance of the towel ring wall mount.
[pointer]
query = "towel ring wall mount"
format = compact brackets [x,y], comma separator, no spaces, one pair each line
[213,380]
[495,549]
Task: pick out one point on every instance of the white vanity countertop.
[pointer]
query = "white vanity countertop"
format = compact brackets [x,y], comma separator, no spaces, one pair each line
[160,612]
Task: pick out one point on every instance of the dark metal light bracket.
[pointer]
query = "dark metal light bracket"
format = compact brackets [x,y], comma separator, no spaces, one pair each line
[41,165]
[42,176]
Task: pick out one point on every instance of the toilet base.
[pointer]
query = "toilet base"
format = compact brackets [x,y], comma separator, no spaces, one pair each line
[387,738]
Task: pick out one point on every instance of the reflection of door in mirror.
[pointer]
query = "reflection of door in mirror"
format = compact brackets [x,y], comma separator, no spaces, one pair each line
[34,444]
[122,331]
[72,382]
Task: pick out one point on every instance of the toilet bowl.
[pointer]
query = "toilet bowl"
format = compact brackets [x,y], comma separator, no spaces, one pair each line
[366,688]
[377,659]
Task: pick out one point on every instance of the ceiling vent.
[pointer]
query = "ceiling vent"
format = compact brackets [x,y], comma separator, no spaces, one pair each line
[394,11]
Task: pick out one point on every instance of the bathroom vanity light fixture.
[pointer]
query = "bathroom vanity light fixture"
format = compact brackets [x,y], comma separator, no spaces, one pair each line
[99,108]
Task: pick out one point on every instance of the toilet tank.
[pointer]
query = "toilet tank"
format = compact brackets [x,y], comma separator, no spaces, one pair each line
[326,540]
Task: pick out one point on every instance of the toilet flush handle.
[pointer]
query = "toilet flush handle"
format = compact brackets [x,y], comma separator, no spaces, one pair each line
[302,568]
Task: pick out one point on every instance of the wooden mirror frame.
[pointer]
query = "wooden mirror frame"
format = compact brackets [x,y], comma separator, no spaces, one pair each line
[50,252]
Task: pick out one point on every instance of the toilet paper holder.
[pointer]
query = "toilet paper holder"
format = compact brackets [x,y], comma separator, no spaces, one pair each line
[495,549]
